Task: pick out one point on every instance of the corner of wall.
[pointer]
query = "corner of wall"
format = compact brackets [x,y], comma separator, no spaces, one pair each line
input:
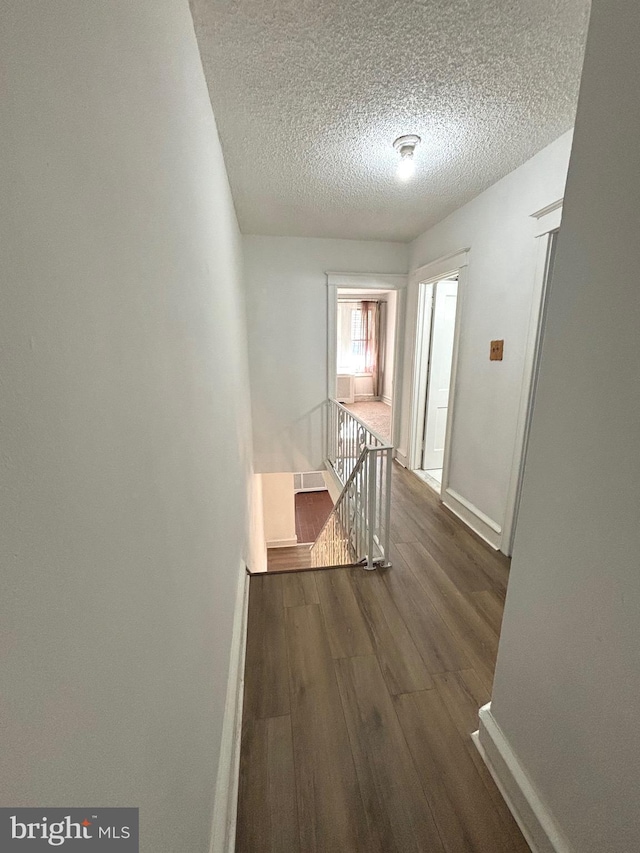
[226,800]
[534,818]
[257,549]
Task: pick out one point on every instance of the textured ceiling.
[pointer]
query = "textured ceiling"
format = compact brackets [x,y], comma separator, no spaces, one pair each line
[310,94]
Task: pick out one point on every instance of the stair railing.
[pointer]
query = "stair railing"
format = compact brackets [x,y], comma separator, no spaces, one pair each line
[346,436]
[357,530]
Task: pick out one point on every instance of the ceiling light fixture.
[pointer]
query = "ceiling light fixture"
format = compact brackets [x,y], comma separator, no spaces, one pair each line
[405,146]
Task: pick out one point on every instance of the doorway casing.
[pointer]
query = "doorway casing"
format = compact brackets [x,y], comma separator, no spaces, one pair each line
[442,326]
[546,223]
[425,278]
[370,282]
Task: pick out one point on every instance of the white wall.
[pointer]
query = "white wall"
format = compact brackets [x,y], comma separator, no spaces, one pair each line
[287,323]
[124,420]
[333,485]
[257,556]
[497,228]
[363,387]
[567,685]
[279,510]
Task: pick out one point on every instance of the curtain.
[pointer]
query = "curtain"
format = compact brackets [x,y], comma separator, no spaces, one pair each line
[369,314]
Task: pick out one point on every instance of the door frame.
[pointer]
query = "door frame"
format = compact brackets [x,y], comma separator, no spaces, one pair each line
[423,279]
[433,326]
[545,223]
[367,282]
[421,369]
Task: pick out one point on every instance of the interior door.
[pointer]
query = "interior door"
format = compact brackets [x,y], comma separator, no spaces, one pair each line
[440,359]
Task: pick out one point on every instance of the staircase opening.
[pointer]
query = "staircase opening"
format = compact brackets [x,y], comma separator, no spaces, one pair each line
[313,505]
[295,509]
[353,528]
[357,531]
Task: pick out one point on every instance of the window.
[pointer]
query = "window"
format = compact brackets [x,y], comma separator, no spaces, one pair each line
[357,339]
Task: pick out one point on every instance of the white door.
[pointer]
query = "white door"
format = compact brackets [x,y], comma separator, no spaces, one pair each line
[440,359]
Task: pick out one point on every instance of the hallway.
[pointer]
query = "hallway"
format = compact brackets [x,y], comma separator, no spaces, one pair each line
[376,415]
[362,690]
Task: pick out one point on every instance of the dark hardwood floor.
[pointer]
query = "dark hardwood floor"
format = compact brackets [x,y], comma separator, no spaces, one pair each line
[312,510]
[362,690]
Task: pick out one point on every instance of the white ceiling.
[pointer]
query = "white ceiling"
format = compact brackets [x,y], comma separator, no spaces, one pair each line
[310,94]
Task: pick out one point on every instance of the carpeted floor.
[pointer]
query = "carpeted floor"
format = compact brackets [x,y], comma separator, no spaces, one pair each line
[376,415]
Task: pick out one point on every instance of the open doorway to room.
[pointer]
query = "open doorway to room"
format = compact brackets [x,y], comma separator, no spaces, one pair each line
[365,356]
[436,340]
[444,299]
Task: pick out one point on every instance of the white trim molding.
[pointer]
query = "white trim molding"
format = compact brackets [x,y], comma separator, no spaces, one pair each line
[225,809]
[401,457]
[374,281]
[420,372]
[422,280]
[441,267]
[334,486]
[282,543]
[547,218]
[538,825]
[478,521]
[546,221]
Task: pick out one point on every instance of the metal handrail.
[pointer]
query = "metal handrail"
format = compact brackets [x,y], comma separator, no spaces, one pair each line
[347,435]
[344,489]
[376,438]
[357,529]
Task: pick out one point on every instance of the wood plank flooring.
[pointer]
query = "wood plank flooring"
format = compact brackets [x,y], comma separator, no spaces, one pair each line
[312,510]
[289,559]
[362,690]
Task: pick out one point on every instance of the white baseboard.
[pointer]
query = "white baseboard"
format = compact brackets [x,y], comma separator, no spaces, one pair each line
[333,484]
[386,400]
[538,825]
[282,543]
[401,456]
[223,835]
[474,518]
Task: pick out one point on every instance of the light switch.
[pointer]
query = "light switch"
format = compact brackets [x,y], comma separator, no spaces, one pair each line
[496,350]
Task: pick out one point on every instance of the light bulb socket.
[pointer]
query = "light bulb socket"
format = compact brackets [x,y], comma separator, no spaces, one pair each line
[405,145]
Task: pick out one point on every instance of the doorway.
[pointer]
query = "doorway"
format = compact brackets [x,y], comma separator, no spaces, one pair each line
[365,356]
[443,321]
[437,291]
[437,321]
